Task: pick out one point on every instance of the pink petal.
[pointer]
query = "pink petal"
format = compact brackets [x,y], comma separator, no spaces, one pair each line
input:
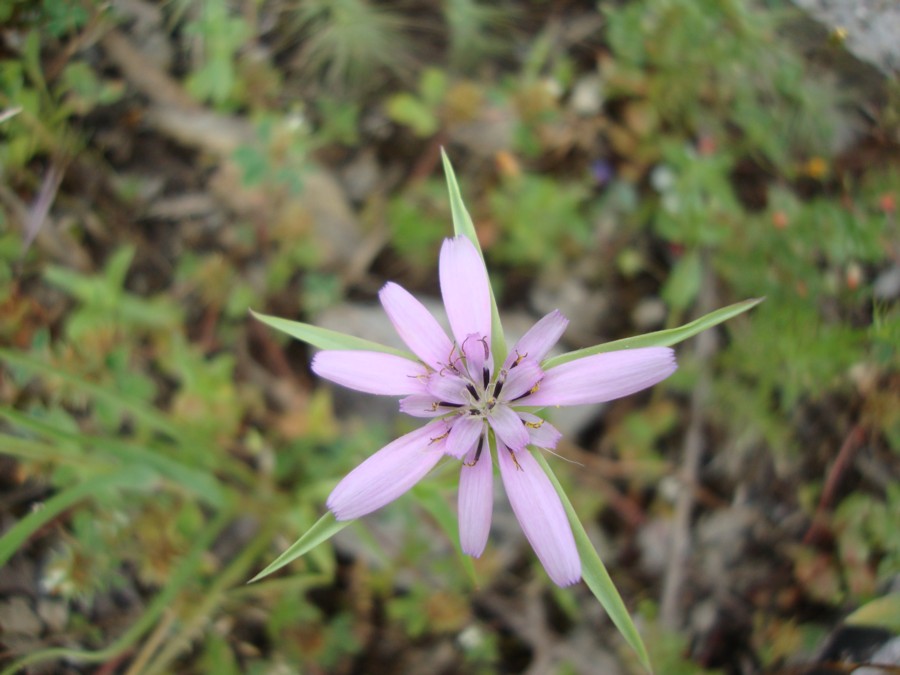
[521,379]
[422,405]
[447,387]
[539,339]
[541,515]
[541,433]
[508,427]
[464,433]
[371,372]
[388,473]
[603,377]
[477,352]
[475,501]
[465,289]
[416,326]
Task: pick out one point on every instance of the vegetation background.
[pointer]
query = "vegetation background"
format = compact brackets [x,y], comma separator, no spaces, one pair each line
[164,166]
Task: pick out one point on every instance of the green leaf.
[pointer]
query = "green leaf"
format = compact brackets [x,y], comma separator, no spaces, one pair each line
[18,534]
[445,517]
[115,399]
[323,338]
[882,612]
[594,572]
[405,108]
[324,529]
[463,226]
[198,482]
[662,338]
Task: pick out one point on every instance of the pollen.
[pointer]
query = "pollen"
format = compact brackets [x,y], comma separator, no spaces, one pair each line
[439,438]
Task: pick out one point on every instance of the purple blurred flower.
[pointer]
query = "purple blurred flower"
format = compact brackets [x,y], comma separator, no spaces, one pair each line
[469,402]
[602,171]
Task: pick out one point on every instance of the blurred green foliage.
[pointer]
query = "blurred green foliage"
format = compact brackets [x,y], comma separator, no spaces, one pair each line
[146,418]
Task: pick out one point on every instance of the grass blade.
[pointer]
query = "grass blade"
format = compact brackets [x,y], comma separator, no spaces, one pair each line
[323,338]
[324,529]
[663,338]
[446,519]
[116,399]
[18,534]
[595,575]
[198,482]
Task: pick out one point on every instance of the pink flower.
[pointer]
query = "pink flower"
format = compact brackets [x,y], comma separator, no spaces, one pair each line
[473,406]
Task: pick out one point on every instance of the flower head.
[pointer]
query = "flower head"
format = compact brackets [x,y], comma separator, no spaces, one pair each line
[476,405]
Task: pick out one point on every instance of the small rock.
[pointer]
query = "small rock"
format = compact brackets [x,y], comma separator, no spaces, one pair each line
[587,95]
[649,314]
[337,230]
[887,655]
[54,614]
[487,135]
[17,618]
[871,28]
[887,284]
[360,176]
[583,307]
[654,541]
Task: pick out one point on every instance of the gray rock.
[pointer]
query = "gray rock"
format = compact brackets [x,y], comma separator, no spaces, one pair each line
[887,284]
[17,618]
[337,230]
[587,95]
[887,655]
[872,28]
[487,135]
[649,314]
[360,176]
[54,613]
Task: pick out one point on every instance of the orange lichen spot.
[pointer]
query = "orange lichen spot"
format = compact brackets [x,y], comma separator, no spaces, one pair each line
[816,167]
[853,276]
[780,220]
[507,164]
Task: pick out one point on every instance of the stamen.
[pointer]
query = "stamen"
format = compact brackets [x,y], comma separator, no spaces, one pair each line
[451,362]
[515,461]
[487,351]
[486,377]
[498,385]
[471,389]
[439,438]
[519,359]
[477,453]
[533,425]
[446,404]
[531,391]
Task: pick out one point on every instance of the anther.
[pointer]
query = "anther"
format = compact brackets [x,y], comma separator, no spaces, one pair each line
[439,438]
[477,453]
[515,461]
[485,377]
[471,389]
[446,404]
